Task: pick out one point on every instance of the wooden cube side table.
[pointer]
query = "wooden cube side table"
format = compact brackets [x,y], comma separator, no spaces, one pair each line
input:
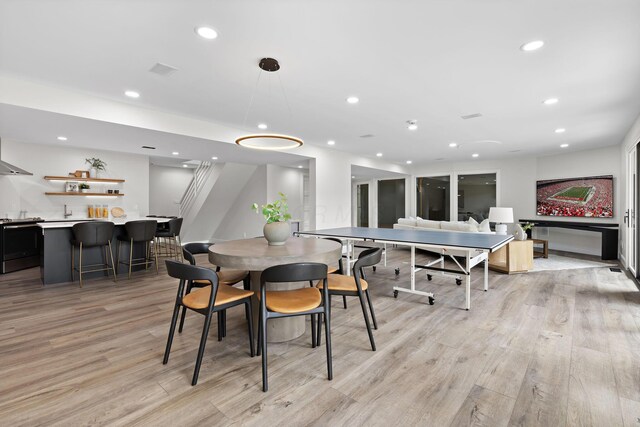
[514,257]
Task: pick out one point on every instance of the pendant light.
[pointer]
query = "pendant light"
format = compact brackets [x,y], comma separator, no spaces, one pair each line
[268,141]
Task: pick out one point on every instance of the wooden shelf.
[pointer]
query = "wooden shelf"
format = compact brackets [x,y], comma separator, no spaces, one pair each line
[74,179]
[72,193]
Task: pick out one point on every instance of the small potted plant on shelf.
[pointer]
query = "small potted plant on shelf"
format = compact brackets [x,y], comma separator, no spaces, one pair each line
[84,187]
[277,229]
[521,230]
[97,166]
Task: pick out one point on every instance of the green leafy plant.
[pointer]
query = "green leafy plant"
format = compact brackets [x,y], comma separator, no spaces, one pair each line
[96,163]
[84,186]
[527,226]
[277,211]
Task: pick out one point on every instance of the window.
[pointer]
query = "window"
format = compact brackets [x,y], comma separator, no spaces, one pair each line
[363,205]
[390,202]
[476,194]
[433,197]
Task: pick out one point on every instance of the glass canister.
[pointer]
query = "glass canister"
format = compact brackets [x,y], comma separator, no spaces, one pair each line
[97,211]
[90,211]
[105,211]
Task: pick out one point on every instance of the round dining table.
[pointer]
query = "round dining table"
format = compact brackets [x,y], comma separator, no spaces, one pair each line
[256,255]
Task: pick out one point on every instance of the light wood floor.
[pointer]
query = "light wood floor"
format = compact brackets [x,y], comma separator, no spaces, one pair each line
[547,349]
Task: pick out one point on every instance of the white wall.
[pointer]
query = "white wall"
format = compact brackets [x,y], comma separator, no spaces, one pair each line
[27,192]
[288,181]
[516,187]
[166,187]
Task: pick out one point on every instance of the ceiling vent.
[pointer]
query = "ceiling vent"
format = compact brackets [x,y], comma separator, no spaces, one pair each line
[471,116]
[163,69]
[366,136]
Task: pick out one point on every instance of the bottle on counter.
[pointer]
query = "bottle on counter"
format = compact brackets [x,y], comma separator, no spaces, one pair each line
[90,211]
[105,211]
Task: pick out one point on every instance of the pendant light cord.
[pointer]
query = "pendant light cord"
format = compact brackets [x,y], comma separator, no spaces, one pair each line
[253,95]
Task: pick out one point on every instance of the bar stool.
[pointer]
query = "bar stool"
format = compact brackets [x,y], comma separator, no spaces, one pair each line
[171,237]
[143,231]
[92,234]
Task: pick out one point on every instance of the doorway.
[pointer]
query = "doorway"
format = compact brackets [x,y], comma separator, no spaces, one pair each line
[630,217]
[362,199]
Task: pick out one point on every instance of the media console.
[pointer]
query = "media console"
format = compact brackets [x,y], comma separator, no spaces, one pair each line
[609,232]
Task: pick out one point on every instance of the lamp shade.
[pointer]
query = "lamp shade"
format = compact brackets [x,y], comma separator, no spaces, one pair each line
[501,215]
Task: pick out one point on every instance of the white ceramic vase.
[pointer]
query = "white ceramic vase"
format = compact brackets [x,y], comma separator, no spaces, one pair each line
[277,233]
[93,173]
[520,234]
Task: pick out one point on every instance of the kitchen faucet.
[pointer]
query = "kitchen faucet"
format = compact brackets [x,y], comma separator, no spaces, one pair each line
[67,214]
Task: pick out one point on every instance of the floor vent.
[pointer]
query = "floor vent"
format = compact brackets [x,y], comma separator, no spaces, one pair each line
[615,269]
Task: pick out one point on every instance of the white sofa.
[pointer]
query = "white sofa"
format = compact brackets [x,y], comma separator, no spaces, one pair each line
[470,226]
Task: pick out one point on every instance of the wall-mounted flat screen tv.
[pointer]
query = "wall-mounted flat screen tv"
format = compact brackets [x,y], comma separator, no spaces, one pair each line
[590,196]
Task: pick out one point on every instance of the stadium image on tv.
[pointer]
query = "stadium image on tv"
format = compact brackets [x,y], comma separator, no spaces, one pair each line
[581,197]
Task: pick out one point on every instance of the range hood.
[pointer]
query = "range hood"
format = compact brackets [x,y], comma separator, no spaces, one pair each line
[8,168]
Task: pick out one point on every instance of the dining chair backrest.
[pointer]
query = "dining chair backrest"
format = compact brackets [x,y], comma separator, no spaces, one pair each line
[94,233]
[141,231]
[195,248]
[367,258]
[296,272]
[179,270]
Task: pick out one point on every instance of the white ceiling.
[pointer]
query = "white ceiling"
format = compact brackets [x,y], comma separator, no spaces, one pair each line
[432,61]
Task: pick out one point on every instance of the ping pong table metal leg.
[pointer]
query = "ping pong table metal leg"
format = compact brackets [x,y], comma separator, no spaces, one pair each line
[349,243]
[468,283]
[412,289]
[413,268]
[486,273]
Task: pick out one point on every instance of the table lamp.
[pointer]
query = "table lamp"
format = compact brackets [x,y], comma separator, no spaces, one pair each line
[501,216]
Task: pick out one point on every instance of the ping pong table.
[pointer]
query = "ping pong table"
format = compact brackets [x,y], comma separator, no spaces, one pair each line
[474,247]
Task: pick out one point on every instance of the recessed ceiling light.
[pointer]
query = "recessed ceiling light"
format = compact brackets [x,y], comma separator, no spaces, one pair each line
[206,33]
[132,94]
[299,166]
[331,142]
[560,130]
[185,166]
[378,154]
[475,155]
[531,46]
[175,153]
[412,125]
[453,144]
[352,176]
[214,158]
[353,100]
[409,162]
[550,101]
[564,145]
[262,126]
[62,138]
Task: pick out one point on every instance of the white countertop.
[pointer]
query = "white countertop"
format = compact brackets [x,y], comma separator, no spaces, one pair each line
[116,221]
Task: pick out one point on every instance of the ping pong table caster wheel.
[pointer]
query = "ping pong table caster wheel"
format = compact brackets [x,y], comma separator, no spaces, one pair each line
[374,268]
[397,271]
[429,277]
[395,294]
[458,282]
[432,301]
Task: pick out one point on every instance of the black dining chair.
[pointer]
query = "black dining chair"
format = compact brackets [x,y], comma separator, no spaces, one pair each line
[207,300]
[92,234]
[227,277]
[356,286]
[142,231]
[306,301]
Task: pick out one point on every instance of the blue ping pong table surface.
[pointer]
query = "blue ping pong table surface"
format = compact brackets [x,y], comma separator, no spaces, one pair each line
[482,241]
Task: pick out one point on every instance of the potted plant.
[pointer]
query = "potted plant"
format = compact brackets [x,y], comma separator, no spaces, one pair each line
[521,230]
[277,229]
[84,187]
[97,165]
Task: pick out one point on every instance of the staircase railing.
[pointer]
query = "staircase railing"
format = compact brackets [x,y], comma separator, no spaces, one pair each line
[200,175]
